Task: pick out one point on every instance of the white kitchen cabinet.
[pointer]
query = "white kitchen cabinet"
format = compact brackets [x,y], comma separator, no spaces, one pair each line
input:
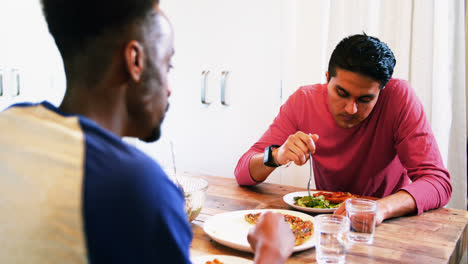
[243,38]
[30,64]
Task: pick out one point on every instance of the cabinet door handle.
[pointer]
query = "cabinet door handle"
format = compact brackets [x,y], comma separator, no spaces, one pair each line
[15,74]
[224,75]
[204,74]
[1,83]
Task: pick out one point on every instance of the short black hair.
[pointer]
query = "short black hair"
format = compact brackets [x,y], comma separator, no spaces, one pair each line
[365,55]
[87,32]
[74,22]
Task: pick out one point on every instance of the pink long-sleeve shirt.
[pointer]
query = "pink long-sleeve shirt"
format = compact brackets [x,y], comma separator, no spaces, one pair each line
[392,149]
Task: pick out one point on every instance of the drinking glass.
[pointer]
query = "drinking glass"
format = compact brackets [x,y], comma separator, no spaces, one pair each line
[362,215]
[330,237]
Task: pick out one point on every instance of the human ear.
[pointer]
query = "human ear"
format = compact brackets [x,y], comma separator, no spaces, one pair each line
[134,58]
[327,75]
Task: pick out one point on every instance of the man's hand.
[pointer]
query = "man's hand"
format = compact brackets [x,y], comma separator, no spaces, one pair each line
[296,149]
[271,239]
[379,216]
[395,205]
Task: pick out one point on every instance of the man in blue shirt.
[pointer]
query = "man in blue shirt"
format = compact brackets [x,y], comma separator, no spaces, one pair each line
[73,191]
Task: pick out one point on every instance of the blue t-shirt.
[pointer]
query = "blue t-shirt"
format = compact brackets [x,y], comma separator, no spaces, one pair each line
[92,197]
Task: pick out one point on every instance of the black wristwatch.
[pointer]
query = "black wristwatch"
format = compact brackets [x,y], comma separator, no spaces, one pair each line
[268,159]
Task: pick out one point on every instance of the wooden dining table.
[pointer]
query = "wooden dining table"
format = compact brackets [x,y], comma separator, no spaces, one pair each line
[436,236]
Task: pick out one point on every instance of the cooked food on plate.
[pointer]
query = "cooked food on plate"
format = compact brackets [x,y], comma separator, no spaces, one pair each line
[215,261]
[324,200]
[301,229]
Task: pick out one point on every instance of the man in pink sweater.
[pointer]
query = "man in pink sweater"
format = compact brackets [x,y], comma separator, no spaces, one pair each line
[375,139]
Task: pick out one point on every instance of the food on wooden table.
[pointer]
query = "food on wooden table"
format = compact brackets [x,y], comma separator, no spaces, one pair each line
[301,229]
[214,261]
[324,200]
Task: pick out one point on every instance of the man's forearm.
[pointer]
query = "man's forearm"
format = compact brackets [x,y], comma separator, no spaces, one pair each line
[397,204]
[258,171]
[271,239]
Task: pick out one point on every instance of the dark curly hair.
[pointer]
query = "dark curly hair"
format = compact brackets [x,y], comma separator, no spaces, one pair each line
[365,55]
[92,29]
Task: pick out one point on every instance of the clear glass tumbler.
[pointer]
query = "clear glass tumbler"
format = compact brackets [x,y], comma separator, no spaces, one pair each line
[330,237]
[362,215]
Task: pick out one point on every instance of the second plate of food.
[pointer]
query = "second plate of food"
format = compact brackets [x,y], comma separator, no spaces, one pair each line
[231,228]
[289,199]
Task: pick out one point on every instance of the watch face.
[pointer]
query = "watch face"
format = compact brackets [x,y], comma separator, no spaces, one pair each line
[268,159]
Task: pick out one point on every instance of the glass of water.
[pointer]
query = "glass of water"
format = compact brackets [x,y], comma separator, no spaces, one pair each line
[362,215]
[330,237]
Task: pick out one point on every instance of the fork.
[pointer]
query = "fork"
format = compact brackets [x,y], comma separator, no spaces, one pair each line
[310,175]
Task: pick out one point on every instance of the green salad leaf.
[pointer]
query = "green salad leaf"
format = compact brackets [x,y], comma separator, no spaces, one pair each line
[314,202]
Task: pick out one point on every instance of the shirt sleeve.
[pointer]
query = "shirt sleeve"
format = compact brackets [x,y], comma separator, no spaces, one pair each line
[418,152]
[134,213]
[283,125]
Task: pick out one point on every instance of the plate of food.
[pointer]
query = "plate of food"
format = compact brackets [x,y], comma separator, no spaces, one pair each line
[220,259]
[231,228]
[320,202]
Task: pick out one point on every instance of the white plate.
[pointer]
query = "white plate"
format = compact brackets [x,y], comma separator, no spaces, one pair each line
[231,229]
[289,199]
[223,258]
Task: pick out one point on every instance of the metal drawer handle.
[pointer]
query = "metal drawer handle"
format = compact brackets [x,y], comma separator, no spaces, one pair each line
[224,75]
[204,74]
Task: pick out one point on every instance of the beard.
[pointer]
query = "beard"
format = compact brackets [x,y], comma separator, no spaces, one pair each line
[155,135]
[156,132]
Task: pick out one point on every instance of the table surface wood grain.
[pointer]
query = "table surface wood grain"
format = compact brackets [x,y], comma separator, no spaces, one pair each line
[436,236]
